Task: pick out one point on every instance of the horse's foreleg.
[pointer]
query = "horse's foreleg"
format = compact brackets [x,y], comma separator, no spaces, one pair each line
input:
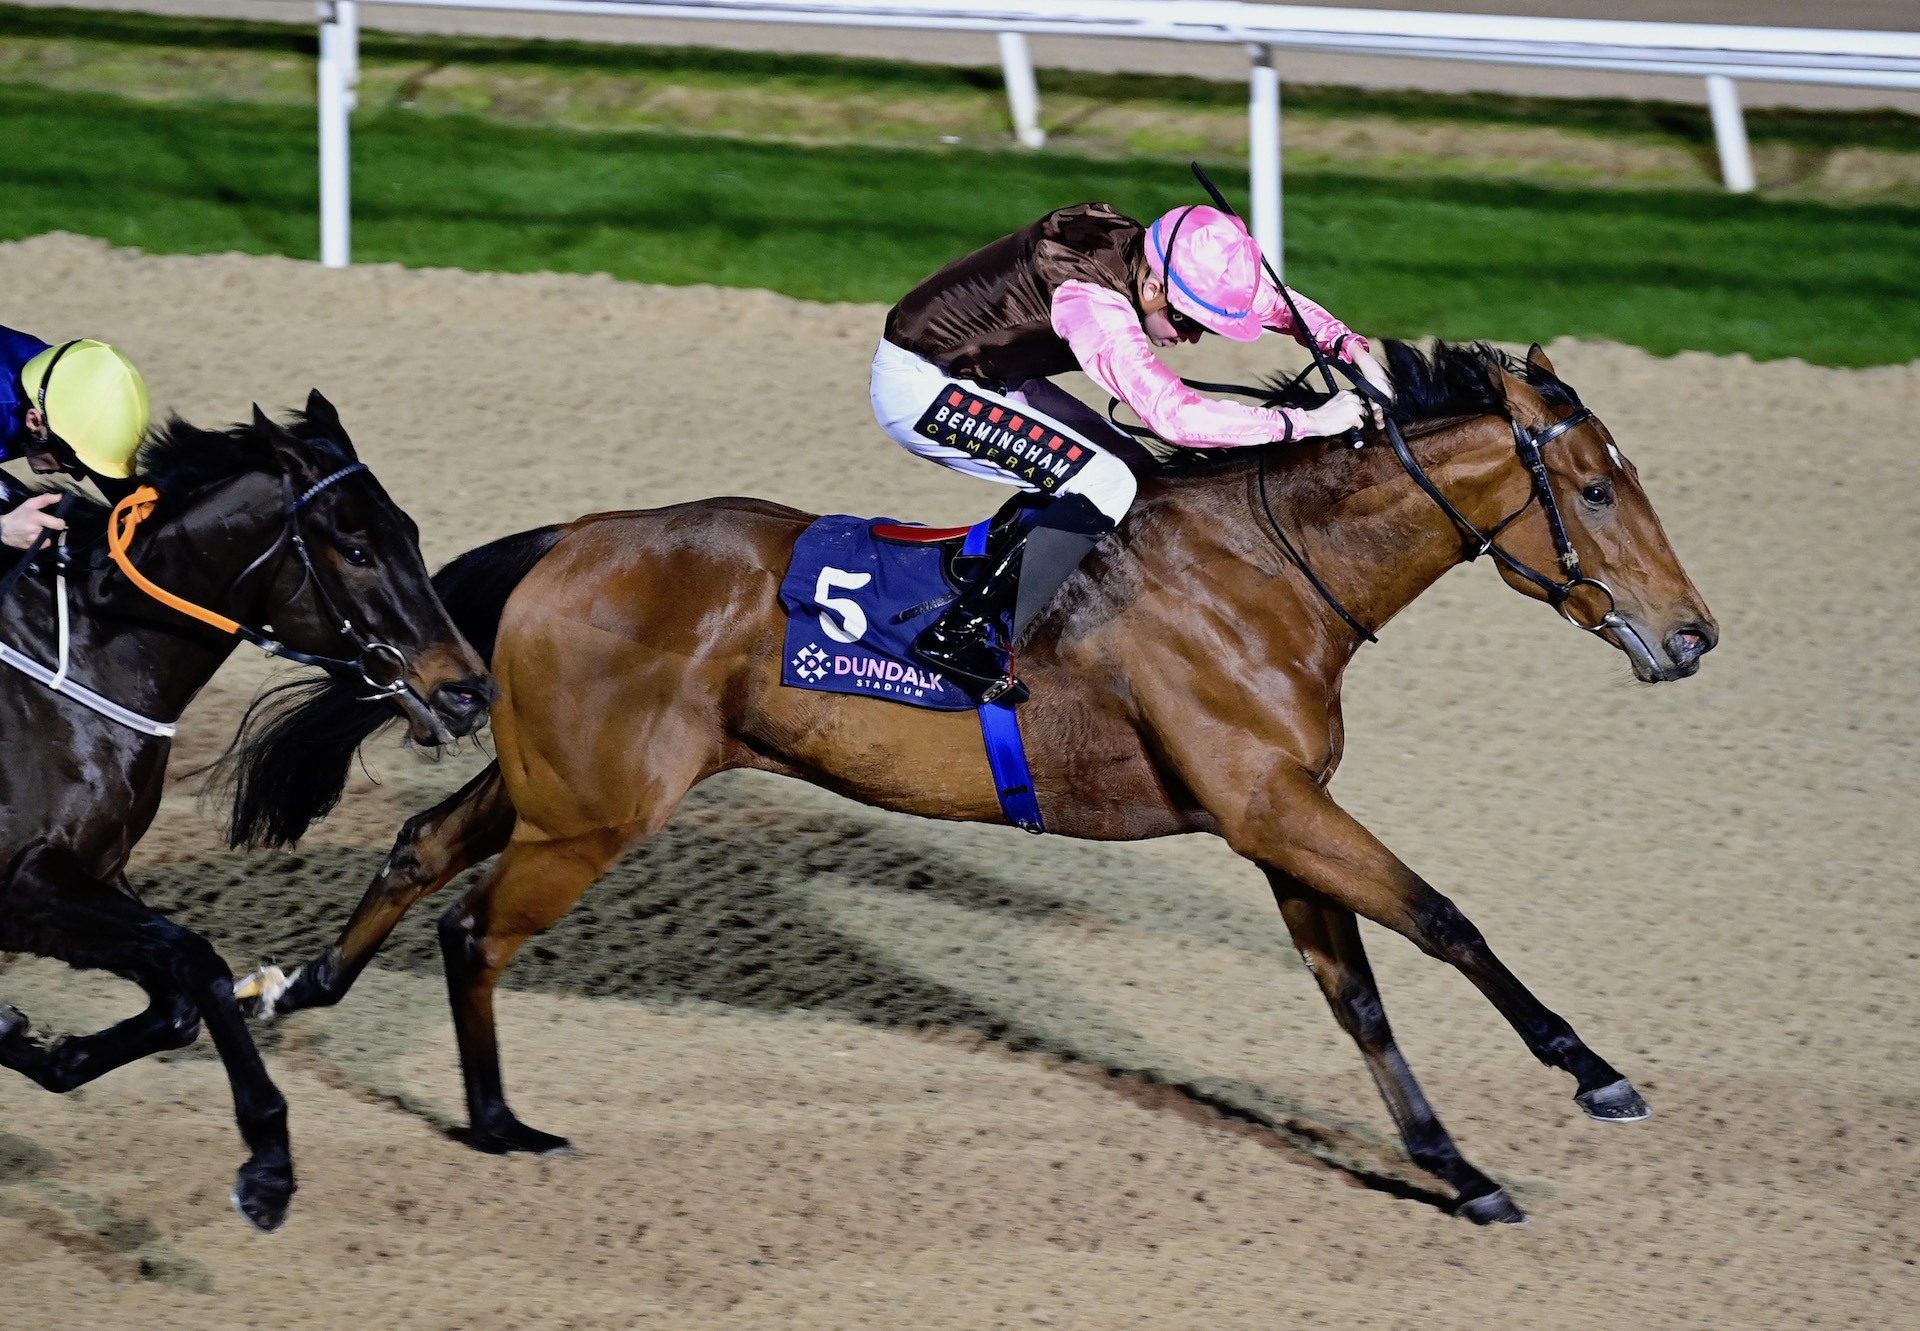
[432,850]
[532,886]
[1328,937]
[1296,828]
[61,911]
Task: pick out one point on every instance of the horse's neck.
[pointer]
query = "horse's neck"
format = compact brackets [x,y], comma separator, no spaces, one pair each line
[1401,541]
[129,647]
[1369,532]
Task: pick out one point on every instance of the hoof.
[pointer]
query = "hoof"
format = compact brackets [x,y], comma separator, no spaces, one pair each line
[261,1196]
[1496,1208]
[12,1020]
[510,1135]
[1616,1102]
[259,994]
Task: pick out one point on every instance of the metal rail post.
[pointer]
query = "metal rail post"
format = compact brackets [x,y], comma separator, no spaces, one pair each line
[336,55]
[1023,92]
[349,11]
[1730,134]
[1263,155]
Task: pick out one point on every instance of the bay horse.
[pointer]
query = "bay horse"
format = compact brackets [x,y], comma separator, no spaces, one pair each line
[1187,680]
[257,522]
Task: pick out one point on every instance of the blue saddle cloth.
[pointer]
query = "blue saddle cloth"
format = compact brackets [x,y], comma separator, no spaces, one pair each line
[855,602]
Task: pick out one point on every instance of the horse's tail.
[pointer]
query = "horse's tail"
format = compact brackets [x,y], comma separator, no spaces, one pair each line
[289,762]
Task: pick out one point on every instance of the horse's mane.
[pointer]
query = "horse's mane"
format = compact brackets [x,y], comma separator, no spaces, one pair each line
[180,459]
[1453,381]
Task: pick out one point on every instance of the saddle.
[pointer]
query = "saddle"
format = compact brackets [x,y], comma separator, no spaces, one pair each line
[959,568]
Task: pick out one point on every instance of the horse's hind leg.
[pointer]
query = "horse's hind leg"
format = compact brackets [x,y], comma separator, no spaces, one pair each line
[170,1021]
[432,850]
[54,907]
[1328,937]
[533,885]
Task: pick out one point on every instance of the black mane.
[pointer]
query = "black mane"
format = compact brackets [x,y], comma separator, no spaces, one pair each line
[179,458]
[1455,379]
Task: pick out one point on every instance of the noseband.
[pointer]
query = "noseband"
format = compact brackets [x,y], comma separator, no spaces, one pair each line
[130,512]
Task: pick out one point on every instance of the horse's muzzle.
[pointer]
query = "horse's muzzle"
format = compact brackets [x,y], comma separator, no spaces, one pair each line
[1661,660]
[1676,656]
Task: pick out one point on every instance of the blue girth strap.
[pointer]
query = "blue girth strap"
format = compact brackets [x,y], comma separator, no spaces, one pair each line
[1000,730]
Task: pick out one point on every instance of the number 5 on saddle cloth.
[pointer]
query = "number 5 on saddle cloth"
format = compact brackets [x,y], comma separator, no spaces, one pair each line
[859,590]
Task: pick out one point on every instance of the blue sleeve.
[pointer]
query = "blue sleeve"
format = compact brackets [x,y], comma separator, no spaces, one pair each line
[16,349]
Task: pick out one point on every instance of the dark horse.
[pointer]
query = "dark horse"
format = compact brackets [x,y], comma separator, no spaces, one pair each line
[1187,680]
[257,522]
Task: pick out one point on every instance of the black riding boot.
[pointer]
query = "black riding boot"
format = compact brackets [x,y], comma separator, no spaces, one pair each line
[960,644]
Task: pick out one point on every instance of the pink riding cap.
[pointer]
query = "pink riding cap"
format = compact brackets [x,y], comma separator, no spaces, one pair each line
[1212,269]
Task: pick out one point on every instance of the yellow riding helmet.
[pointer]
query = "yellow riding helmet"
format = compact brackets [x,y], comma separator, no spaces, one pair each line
[95,400]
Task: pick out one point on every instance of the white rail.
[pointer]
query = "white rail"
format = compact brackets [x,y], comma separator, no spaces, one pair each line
[1718,53]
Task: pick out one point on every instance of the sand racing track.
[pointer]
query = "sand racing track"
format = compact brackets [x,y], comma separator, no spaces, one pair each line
[830,1068]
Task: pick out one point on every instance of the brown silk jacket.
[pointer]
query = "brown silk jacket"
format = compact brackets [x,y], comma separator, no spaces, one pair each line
[988,316]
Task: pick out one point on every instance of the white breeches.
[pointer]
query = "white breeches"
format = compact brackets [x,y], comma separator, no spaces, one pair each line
[1036,436]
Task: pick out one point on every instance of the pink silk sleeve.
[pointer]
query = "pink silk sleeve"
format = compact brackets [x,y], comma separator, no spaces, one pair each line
[1327,332]
[1104,331]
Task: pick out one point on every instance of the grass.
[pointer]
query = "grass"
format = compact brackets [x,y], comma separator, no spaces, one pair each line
[229,164]
[1664,271]
[823,99]
[139,38]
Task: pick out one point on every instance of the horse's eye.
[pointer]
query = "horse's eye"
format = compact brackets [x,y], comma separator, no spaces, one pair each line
[1599,494]
[356,555]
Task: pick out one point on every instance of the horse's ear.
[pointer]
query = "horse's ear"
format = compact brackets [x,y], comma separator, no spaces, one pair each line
[322,416]
[288,451]
[320,411]
[1537,357]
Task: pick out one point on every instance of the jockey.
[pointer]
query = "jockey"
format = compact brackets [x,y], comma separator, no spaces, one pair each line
[86,419]
[962,378]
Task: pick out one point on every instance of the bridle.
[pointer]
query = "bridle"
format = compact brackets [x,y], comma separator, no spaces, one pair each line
[131,511]
[122,522]
[1527,443]
[125,519]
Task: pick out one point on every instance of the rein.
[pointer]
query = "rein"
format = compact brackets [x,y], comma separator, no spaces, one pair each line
[1527,445]
[1287,547]
[55,678]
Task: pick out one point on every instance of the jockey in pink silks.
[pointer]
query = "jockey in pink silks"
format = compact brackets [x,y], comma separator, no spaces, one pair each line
[962,377]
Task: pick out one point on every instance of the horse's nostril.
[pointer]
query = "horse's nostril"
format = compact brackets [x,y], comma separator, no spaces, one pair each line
[1689,644]
[459,700]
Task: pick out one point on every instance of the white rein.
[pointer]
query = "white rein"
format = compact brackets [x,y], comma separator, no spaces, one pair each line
[57,680]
